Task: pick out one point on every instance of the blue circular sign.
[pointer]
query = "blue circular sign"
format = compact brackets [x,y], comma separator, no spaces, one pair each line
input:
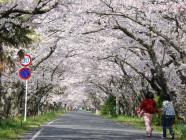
[25,73]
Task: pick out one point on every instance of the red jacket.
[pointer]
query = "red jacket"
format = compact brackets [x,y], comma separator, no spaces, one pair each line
[148,106]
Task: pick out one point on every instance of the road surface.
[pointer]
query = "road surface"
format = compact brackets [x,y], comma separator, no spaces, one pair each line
[87,126]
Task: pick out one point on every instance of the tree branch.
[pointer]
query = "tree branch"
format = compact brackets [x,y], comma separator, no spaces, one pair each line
[148,26]
[52,50]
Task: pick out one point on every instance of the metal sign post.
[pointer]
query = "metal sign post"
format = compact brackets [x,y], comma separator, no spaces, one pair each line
[26,93]
[25,74]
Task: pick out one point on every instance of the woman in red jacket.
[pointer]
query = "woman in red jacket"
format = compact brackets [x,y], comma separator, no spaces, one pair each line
[148,107]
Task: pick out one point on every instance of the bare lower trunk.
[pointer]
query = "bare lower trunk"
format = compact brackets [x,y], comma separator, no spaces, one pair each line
[117,106]
[1,105]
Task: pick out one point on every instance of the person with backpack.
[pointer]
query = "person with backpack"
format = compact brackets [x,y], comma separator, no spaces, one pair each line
[168,116]
[147,108]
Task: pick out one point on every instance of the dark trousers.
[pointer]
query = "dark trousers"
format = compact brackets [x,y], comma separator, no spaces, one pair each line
[168,121]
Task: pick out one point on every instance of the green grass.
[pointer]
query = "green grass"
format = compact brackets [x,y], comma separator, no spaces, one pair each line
[180,129]
[14,128]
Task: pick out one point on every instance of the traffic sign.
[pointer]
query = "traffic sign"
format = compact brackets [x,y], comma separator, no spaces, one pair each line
[25,73]
[26,61]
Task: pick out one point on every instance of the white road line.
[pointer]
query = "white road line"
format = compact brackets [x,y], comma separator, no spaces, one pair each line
[37,134]
[50,122]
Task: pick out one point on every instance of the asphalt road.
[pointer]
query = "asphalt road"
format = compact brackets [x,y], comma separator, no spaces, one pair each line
[86,126]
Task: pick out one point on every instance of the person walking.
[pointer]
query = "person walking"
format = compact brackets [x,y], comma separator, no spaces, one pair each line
[168,116]
[146,109]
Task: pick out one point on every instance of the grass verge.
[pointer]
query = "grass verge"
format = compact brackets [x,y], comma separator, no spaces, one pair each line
[180,129]
[14,128]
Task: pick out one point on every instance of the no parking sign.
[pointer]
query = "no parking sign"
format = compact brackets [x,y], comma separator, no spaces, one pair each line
[25,73]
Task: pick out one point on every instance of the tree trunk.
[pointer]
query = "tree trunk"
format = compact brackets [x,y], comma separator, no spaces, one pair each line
[117,106]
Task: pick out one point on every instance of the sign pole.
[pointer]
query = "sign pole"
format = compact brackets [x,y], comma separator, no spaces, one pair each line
[26,92]
[24,74]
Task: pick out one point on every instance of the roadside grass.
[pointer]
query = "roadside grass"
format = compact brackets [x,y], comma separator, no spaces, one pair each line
[14,128]
[180,129]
